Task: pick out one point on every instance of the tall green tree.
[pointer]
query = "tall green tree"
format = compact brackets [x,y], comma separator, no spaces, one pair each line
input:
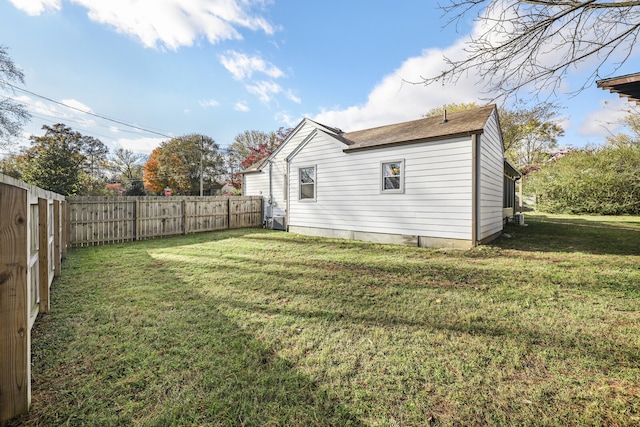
[62,160]
[180,162]
[451,108]
[632,123]
[530,133]
[9,165]
[12,113]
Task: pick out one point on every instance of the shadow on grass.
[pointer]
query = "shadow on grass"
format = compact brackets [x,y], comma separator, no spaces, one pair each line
[563,236]
[145,347]
[375,307]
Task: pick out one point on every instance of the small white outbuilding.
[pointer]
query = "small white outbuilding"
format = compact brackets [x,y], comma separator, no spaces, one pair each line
[434,182]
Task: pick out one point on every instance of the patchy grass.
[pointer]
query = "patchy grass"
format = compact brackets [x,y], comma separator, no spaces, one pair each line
[262,328]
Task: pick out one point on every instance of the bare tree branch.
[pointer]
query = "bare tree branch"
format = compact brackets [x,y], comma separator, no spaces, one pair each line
[532,44]
[12,114]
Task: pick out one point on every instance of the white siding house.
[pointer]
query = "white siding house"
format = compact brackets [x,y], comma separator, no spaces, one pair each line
[429,182]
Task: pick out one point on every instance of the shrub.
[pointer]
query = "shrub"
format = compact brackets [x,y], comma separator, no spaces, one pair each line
[601,181]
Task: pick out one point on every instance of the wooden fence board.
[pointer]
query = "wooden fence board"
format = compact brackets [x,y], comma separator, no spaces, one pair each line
[30,256]
[15,337]
[100,220]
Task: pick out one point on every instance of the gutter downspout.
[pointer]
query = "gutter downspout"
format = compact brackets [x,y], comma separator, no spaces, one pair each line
[474,190]
[288,195]
[270,217]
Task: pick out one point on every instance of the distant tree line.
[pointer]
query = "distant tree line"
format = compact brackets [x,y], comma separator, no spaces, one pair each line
[69,163]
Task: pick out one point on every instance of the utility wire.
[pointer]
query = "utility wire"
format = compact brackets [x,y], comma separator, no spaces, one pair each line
[85,112]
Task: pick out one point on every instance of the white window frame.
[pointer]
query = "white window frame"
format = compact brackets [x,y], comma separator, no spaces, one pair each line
[401,176]
[315,184]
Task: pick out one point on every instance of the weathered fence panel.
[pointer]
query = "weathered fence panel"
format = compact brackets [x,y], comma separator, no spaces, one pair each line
[101,220]
[208,215]
[31,249]
[245,213]
[98,220]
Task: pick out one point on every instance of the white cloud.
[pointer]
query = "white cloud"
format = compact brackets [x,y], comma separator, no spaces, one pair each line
[241,106]
[264,90]
[76,105]
[139,145]
[293,97]
[394,99]
[57,113]
[287,119]
[206,103]
[36,7]
[167,23]
[605,121]
[242,66]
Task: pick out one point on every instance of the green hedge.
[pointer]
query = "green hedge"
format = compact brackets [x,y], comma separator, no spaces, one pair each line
[603,181]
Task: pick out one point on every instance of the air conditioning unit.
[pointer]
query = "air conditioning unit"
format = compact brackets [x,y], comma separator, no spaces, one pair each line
[278,223]
[518,218]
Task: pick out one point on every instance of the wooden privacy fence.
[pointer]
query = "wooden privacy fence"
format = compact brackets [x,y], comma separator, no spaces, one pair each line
[32,246]
[100,220]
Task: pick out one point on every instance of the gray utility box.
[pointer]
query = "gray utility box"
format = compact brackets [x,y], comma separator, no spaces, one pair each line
[278,223]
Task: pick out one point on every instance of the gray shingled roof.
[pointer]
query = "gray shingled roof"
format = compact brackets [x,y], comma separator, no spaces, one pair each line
[459,123]
[255,167]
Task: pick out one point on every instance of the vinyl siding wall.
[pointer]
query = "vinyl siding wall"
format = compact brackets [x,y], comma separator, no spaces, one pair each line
[436,201]
[491,185]
[254,183]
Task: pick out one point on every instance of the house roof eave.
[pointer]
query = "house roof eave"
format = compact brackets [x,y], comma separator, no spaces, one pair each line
[414,141]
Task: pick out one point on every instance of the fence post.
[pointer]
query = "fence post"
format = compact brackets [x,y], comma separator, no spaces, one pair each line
[57,238]
[136,222]
[66,228]
[43,254]
[15,336]
[184,217]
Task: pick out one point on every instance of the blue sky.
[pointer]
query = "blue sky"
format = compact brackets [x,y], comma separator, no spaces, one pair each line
[220,67]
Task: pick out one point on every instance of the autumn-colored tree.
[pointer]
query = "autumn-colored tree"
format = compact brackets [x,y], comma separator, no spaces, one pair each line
[152,182]
[182,162]
[115,189]
[249,146]
[256,154]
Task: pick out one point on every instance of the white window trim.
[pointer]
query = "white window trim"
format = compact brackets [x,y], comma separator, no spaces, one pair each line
[315,184]
[402,174]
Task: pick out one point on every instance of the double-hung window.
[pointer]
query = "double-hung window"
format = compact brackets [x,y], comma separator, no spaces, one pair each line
[392,174]
[307,182]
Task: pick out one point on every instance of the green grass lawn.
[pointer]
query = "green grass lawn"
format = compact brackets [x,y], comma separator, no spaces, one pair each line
[264,328]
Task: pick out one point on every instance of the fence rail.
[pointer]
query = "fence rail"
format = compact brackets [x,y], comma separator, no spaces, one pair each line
[101,220]
[32,245]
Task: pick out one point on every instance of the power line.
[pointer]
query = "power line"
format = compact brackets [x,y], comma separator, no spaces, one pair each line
[85,112]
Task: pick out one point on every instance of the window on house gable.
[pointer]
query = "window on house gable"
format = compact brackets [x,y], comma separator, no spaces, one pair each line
[307,178]
[392,177]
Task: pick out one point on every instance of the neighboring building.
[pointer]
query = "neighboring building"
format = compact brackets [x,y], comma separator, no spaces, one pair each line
[435,182]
